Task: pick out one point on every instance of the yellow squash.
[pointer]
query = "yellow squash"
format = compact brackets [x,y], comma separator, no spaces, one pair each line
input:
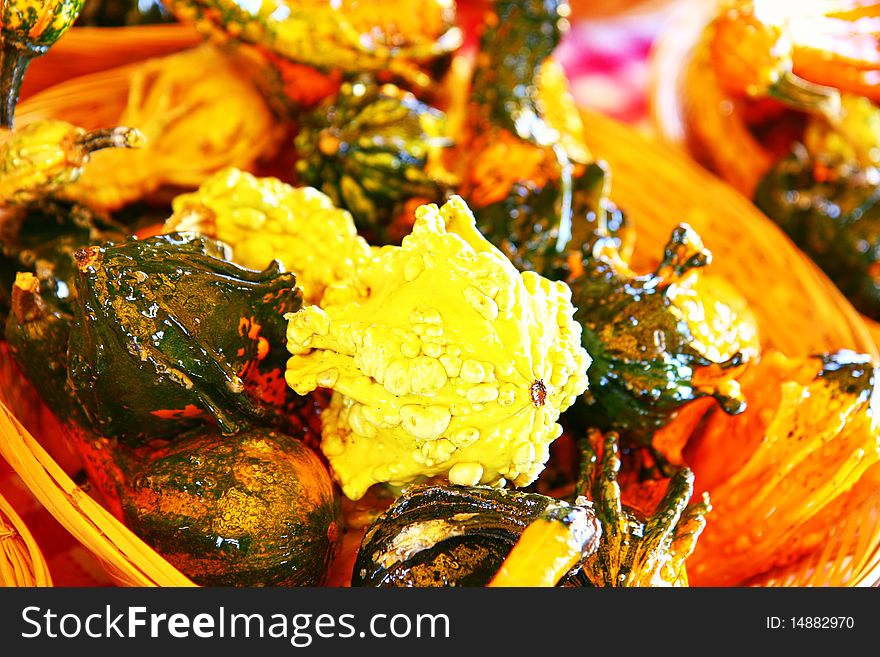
[265,219]
[199,113]
[444,360]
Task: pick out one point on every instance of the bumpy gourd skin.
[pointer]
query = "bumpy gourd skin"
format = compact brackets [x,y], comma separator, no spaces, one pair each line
[47,154]
[265,219]
[444,360]
[168,334]
[657,341]
[371,148]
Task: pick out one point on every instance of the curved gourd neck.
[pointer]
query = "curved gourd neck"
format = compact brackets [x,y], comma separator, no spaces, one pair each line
[14,61]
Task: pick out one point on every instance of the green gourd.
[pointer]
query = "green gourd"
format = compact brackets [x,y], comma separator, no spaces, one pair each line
[28,28]
[257,508]
[169,334]
[371,148]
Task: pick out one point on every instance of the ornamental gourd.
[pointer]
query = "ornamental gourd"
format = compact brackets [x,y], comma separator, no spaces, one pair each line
[36,333]
[658,340]
[314,44]
[760,68]
[793,50]
[443,358]
[372,148]
[38,287]
[780,100]
[48,154]
[28,28]
[784,473]
[169,335]
[218,119]
[521,156]
[256,508]
[41,238]
[824,194]
[442,535]
[264,219]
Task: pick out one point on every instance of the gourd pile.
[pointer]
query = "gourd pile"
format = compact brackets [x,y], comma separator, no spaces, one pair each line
[780,99]
[415,353]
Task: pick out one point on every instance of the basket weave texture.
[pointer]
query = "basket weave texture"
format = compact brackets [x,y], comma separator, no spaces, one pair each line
[798,310]
[21,560]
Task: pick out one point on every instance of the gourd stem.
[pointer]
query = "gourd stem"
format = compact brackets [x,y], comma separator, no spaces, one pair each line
[588,465]
[14,60]
[566,173]
[26,298]
[120,137]
[807,96]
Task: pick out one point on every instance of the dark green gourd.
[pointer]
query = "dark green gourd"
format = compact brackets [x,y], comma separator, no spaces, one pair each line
[835,220]
[169,333]
[370,148]
[644,343]
[446,535]
[257,508]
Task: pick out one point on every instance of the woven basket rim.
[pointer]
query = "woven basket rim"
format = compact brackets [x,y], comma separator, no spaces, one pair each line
[127,558]
[37,561]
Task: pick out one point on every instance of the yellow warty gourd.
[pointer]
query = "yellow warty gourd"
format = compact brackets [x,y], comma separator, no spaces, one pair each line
[445,361]
[264,219]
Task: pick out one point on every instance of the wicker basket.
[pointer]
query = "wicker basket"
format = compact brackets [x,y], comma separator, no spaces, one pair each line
[798,310]
[46,467]
[21,561]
